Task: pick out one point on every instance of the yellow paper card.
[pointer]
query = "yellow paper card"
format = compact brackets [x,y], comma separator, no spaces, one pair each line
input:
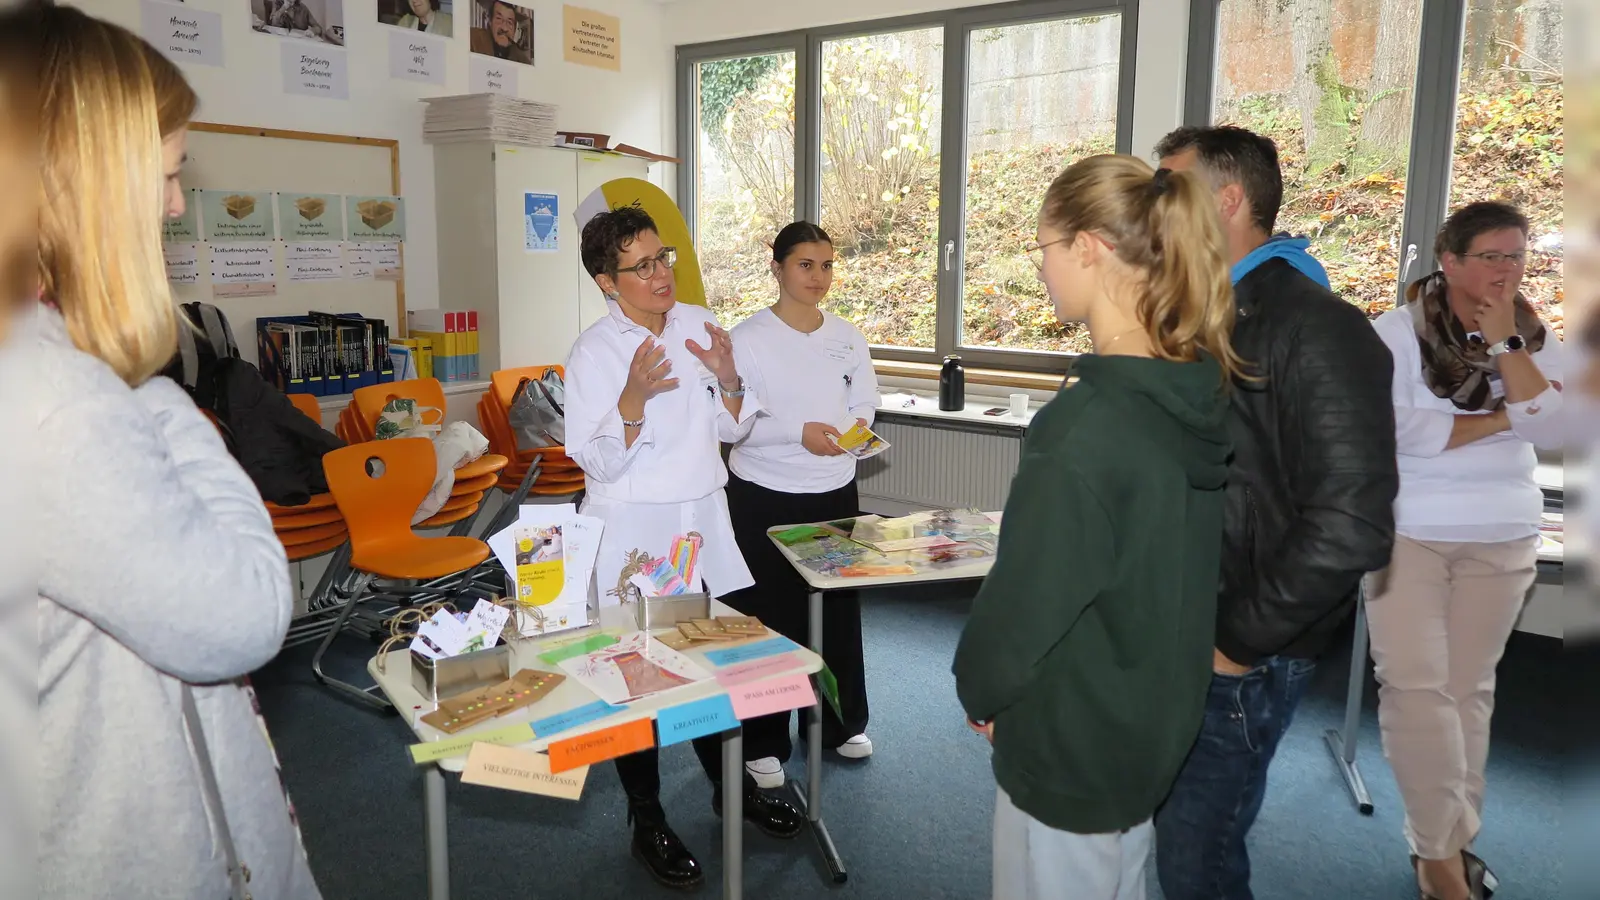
[433,751]
[521,770]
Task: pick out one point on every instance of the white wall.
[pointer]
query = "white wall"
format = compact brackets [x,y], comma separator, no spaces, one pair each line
[634,105]
[1158,75]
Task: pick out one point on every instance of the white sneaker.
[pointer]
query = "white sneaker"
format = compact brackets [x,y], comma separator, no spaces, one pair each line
[858,747]
[767,772]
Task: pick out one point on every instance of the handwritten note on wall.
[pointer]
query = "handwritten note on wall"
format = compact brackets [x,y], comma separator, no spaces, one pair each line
[491,76]
[592,38]
[183,33]
[414,56]
[315,71]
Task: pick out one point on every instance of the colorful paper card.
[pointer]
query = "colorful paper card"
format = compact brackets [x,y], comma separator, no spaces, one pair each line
[795,535]
[758,669]
[521,770]
[748,652]
[541,569]
[774,695]
[577,648]
[687,721]
[573,718]
[830,690]
[599,746]
[433,751]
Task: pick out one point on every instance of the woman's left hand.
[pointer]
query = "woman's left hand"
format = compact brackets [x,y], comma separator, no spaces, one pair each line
[986,729]
[718,357]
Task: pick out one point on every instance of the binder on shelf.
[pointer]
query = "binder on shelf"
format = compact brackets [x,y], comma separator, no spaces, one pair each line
[472,344]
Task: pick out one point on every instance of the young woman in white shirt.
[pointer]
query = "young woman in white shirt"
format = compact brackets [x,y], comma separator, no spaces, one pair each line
[653,391]
[1476,389]
[813,372]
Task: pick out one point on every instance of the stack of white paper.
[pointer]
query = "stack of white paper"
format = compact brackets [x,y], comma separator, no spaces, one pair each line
[574,541]
[489,117]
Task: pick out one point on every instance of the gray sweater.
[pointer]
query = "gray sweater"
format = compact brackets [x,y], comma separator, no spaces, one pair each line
[157,566]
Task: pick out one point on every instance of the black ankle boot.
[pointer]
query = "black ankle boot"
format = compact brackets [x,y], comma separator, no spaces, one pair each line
[774,817]
[655,845]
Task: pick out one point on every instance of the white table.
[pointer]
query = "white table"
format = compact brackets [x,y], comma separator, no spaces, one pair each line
[396,685]
[811,798]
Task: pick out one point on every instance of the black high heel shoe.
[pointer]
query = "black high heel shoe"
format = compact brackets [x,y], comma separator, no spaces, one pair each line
[1477,873]
[663,854]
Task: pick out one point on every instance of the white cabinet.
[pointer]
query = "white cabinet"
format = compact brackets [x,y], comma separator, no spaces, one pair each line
[531,305]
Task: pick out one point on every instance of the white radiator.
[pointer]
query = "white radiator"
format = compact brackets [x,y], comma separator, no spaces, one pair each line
[929,467]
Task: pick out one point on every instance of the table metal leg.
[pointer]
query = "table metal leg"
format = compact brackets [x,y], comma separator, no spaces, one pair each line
[733,814]
[1342,743]
[438,837]
[810,800]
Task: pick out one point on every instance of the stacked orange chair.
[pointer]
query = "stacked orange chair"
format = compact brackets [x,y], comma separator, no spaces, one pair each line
[378,510]
[308,531]
[558,475]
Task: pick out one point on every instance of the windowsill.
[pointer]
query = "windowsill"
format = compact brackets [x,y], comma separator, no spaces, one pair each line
[1027,381]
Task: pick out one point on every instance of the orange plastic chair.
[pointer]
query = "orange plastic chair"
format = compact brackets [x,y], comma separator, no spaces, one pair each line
[324,516]
[487,464]
[301,552]
[449,516]
[369,401]
[317,501]
[307,404]
[296,537]
[378,511]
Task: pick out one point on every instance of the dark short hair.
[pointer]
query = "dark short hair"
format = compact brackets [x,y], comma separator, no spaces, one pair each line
[793,235]
[1231,154]
[605,236]
[1474,219]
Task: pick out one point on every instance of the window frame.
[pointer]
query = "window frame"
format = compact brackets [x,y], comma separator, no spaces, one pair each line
[1434,95]
[958,26]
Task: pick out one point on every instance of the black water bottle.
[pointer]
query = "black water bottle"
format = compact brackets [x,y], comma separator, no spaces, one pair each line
[952,385]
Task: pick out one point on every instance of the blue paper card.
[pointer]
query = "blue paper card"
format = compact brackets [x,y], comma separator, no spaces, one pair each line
[572,718]
[758,650]
[698,718]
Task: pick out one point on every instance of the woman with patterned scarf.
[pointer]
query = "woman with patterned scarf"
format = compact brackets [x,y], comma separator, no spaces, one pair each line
[1476,389]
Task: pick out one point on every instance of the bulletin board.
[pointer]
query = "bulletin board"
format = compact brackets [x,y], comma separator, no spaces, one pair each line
[242,158]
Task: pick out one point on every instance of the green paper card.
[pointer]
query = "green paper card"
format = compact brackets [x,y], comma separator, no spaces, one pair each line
[458,745]
[830,690]
[589,644]
[796,535]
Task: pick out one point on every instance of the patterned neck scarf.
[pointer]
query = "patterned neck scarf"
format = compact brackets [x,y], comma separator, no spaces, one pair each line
[1456,367]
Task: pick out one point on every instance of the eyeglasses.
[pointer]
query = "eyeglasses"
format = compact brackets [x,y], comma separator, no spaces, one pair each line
[646,268]
[1496,259]
[1036,252]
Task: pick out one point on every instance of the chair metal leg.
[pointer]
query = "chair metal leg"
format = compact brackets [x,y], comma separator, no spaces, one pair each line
[1342,744]
[369,696]
[338,565]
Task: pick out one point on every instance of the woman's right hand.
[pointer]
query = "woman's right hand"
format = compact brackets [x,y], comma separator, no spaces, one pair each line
[814,437]
[647,377]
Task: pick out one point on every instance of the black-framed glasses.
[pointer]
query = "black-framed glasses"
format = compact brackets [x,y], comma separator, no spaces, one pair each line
[1496,258]
[646,268]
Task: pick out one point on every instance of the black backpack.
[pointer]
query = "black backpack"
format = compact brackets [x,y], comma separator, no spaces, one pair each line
[204,339]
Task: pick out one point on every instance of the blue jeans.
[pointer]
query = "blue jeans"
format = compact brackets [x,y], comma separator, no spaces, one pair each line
[1200,830]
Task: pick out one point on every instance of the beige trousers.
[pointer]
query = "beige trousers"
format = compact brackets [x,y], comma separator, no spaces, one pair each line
[1440,615]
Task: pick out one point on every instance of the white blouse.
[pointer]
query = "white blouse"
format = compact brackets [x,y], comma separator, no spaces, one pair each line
[1480,492]
[670,481]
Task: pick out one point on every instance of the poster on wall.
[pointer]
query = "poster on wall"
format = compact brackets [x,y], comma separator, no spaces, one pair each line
[488,75]
[183,263]
[315,71]
[502,30]
[620,192]
[359,261]
[243,269]
[375,218]
[310,217]
[185,35]
[237,215]
[420,16]
[417,57]
[592,38]
[541,222]
[310,20]
[184,229]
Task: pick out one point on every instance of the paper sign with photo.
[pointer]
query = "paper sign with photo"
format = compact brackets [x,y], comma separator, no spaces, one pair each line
[502,30]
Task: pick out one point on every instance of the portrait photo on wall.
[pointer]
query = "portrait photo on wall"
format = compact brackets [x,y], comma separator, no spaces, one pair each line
[427,16]
[502,30]
[312,20]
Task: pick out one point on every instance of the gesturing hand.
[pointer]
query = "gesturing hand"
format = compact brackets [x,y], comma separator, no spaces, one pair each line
[647,377]
[814,437]
[718,357]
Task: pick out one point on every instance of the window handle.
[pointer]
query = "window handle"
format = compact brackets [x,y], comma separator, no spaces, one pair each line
[1411,257]
[949,251]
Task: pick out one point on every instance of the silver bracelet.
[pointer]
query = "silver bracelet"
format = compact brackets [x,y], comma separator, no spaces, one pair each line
[638,424]
[728,393]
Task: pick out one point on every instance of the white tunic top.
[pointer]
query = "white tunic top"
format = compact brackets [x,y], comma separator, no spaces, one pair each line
[824,376]
[670,481]
[1483,491]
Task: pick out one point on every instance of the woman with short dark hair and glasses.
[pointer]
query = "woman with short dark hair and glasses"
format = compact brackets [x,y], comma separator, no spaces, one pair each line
[652,392]
[1476,389]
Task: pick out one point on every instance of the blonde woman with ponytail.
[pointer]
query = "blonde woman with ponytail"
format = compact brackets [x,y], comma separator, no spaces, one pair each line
[1088,653]
[161,584]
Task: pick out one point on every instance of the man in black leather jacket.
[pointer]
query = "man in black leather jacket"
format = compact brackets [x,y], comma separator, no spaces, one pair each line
[1309,508]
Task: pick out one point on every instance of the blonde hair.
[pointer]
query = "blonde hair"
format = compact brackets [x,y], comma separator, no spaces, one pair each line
[107,101]
[1163,225]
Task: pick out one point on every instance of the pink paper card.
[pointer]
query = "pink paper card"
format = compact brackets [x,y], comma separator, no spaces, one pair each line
[773,695]
[745,673]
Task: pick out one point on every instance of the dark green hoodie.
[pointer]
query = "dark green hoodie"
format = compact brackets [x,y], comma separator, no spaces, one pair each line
[1089,645]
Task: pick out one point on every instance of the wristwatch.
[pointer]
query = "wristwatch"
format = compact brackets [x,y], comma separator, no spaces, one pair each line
[736,393]
[1510,345]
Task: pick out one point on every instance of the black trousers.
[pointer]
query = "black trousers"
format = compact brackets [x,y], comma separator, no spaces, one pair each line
[779,598]
[641,775]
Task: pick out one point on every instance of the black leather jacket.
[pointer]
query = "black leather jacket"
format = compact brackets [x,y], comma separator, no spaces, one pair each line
[1310,497]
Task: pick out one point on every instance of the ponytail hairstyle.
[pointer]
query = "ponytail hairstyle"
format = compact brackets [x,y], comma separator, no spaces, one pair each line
[107,102]
[1162,224]
[793,235]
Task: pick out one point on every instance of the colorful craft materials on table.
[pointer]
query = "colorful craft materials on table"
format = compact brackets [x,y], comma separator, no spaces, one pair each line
[704,632]
[635,666]
[875,547]
[675,573]
[523,689]
[451,633]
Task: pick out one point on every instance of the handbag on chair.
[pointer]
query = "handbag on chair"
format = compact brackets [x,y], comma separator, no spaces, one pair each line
[537,416]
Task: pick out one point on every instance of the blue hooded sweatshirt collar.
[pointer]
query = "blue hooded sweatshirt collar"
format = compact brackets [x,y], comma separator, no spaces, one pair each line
[1292,250]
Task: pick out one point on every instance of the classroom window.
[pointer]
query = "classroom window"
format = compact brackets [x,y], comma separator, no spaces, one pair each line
[923,146]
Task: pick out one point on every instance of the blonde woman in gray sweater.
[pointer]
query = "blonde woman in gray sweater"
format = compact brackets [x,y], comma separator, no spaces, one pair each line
[161,583]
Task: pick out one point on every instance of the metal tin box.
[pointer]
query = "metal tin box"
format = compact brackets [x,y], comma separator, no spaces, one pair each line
[670,609]
[441,679]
